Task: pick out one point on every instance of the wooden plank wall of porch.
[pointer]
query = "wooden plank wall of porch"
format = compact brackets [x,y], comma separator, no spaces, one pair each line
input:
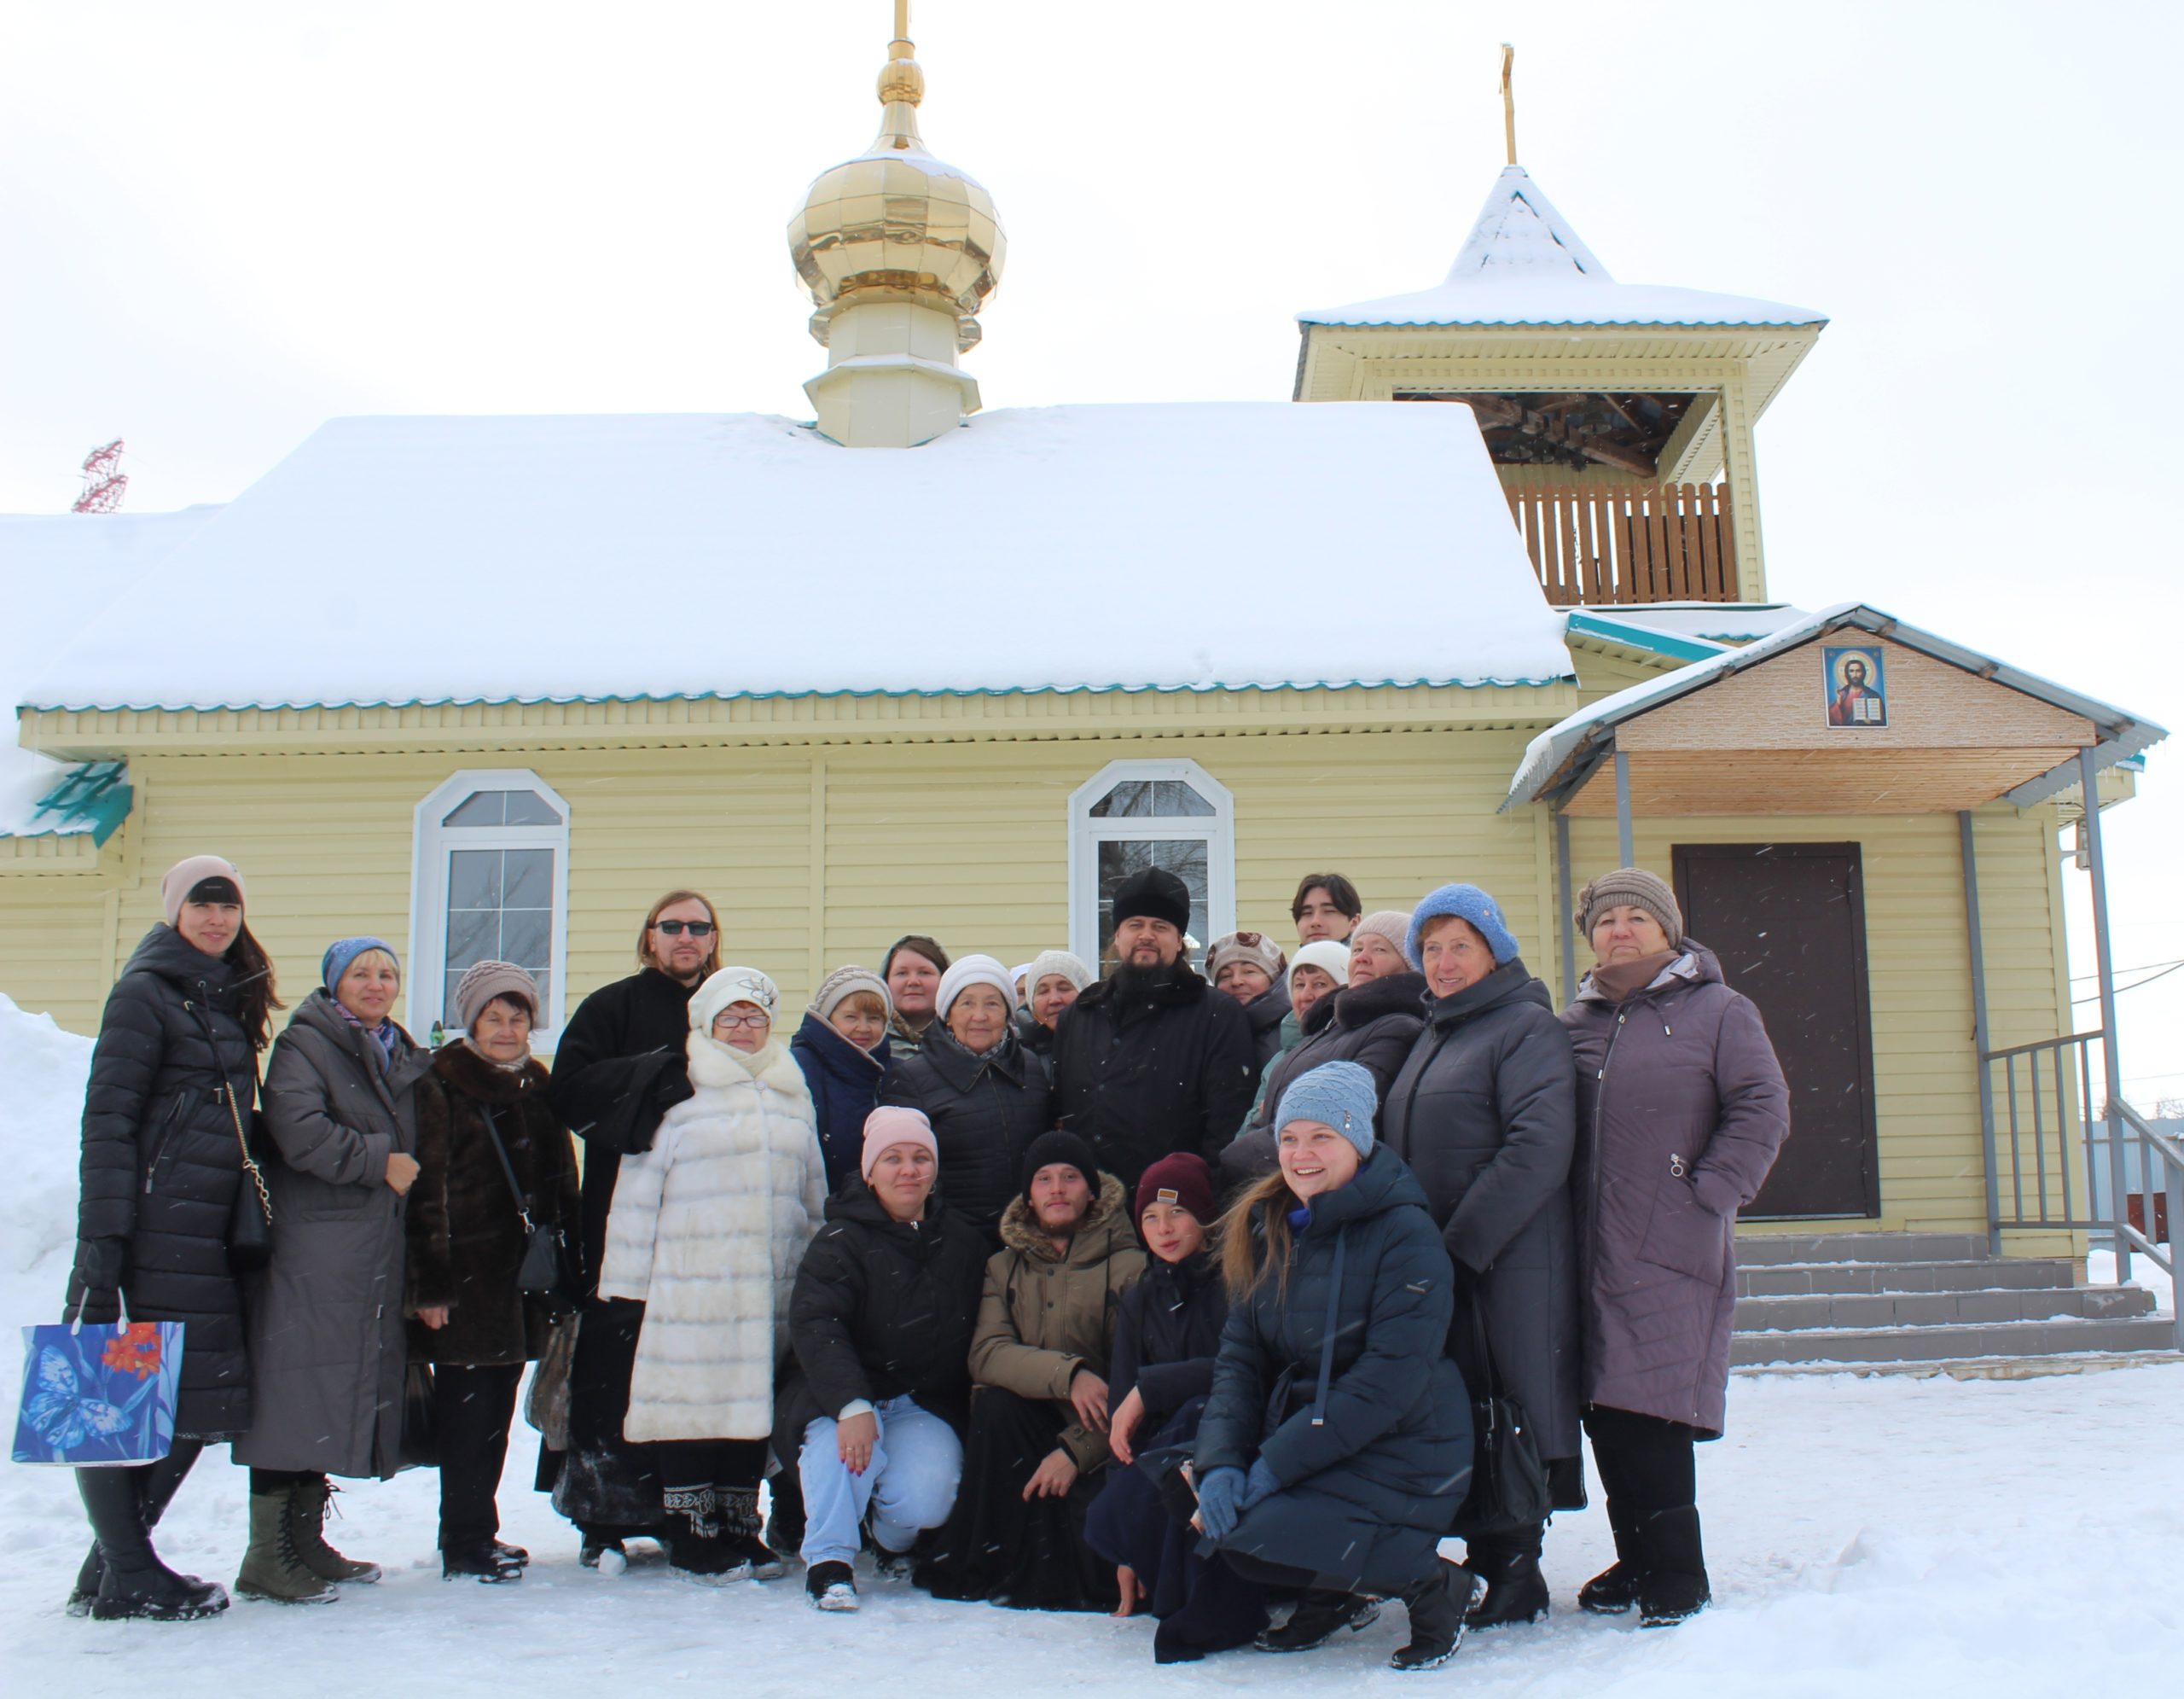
[1630,543]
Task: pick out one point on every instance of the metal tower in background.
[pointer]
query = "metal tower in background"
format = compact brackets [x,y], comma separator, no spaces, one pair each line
[104,484]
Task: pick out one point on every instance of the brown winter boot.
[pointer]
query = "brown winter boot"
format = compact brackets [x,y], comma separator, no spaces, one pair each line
[307,1506]
[271,1569]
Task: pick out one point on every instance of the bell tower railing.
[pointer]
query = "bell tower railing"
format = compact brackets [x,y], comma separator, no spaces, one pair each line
[1628,544]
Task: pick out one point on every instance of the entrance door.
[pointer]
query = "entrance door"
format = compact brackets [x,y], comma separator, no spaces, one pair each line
[1788,921]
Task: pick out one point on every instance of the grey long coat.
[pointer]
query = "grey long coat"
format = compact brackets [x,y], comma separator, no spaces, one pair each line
[328,1352]
[1681,1109]
[1485,1113]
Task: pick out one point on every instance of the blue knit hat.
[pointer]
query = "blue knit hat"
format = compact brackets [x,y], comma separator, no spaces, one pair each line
[1337,1094]
[343,951]
[1468,903]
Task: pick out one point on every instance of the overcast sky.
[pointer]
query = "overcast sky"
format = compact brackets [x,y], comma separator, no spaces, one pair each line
[221,224]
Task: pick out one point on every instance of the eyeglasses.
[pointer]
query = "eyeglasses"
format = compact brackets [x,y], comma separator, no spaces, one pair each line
[732,1021]
[676,928]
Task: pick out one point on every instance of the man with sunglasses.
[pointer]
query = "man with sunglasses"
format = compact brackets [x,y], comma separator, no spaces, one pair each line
[620,1069]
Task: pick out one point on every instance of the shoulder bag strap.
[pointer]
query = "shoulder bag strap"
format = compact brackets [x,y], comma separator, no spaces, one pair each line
[235,1110]
[493,1131]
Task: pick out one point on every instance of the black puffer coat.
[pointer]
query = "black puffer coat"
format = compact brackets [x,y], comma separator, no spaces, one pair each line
[985,1110]
[618,1069]
[160,1168]
[1264,1015]
[1485,1112]
[327,1344]
[1168,1069]
[844,1085]
[1368,1488]
[466,1240]
[1374,1025]
[881,1309]
[1166,1340]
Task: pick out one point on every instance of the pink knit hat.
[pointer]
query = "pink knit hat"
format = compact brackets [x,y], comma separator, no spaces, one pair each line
[892,1124]
[184,877]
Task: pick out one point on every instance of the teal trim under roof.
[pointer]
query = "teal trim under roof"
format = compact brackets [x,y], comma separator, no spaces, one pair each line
[1672,644]
[95,798]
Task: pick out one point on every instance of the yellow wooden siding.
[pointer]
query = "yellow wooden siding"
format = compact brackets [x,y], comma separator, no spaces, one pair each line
[53,944]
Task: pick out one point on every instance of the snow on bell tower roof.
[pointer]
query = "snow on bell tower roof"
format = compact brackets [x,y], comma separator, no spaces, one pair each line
[1523,264]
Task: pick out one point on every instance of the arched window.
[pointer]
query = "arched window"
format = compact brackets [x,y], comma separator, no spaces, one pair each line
[491,883]
[1133,815]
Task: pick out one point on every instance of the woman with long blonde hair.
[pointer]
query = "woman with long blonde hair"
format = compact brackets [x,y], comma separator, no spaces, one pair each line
[1337,1444]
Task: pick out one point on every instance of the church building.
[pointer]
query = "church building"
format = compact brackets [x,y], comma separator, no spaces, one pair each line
[915,665]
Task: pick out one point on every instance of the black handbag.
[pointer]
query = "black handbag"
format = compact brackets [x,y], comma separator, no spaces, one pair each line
[543,1273]
[420,1444]
[1508,1480]
[250,1217]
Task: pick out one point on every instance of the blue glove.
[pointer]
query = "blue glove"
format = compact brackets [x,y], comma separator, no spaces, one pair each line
[1258,1484]
[1220,1501]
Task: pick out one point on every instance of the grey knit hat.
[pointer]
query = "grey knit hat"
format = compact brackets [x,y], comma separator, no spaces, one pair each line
[1337,1094]
[1392,924]
[484,981]
[1640,890]
[1056,961]
[841,982]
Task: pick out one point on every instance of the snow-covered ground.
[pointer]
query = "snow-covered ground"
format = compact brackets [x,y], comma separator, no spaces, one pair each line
[1876,1537]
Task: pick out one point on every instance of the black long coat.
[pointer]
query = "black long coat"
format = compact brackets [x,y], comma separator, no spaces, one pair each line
[1167,1338]
[160,1168]
[1374,1025]
[617,1070]
[1143,1077]
[844,1085]
[1372,1470]
[1485,1112]
[881,1309]
[466,1240]
[986,1110]
[327,1343]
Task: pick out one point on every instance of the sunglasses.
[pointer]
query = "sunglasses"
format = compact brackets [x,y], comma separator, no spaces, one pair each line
[676,928]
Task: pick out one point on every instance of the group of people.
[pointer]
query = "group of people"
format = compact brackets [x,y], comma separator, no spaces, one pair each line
[1154,1291]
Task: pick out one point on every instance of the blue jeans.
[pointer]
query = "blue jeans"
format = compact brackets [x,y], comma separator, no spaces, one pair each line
[909,1484]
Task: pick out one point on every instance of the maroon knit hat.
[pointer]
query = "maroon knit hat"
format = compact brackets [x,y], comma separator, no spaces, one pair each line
[1181,1179]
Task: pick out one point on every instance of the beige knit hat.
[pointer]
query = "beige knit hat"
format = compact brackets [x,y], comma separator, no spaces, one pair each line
[1392,924]
[184,877]
[841,983]
[483,981]
[1640,890]
[1254,948]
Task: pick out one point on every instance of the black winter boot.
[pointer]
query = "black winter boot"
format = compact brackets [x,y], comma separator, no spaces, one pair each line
[1674,1585]
[480,1562]
[156,1485]
[132,1581]
[1514,1590]
[1318,1618]
[1437,1618]
[1615,1589]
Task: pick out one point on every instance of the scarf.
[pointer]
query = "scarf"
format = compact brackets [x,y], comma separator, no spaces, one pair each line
[1618,981]
[515,1066]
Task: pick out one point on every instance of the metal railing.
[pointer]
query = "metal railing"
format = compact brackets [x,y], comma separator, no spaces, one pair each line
[2035,1103]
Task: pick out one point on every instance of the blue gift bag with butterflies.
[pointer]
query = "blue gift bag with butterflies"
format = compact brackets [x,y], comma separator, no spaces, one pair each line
[100,1396]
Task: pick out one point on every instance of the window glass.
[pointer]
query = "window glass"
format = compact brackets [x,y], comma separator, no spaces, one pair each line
[1151,799]
[502,808]
[500,909]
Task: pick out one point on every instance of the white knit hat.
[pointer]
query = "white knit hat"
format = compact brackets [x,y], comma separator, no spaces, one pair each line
[732,984]
[973,970]
[1330,958]
[1056,961]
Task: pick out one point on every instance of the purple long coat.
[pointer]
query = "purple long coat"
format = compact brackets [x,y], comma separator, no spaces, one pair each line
[1681,1109]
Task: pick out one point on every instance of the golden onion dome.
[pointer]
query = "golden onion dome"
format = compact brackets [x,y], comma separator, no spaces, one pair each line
[895,223]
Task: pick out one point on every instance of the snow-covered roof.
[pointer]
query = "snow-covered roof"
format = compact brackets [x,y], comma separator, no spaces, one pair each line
[1164,547]
[1524,265]
[1559,759]
[63,573]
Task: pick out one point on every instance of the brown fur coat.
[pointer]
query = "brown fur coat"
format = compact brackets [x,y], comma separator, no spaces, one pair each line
[466,1239]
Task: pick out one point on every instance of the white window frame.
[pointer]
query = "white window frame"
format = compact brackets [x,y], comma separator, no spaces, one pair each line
[426,981]
[1087,834]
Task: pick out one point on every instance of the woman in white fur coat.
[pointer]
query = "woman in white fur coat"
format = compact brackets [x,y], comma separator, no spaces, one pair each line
[707,1229]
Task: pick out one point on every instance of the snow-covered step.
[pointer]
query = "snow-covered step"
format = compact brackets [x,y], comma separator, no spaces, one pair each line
[1936,1343]
[1757,1249]
[1938,1309]
[1979,1368]
[1984,1274]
